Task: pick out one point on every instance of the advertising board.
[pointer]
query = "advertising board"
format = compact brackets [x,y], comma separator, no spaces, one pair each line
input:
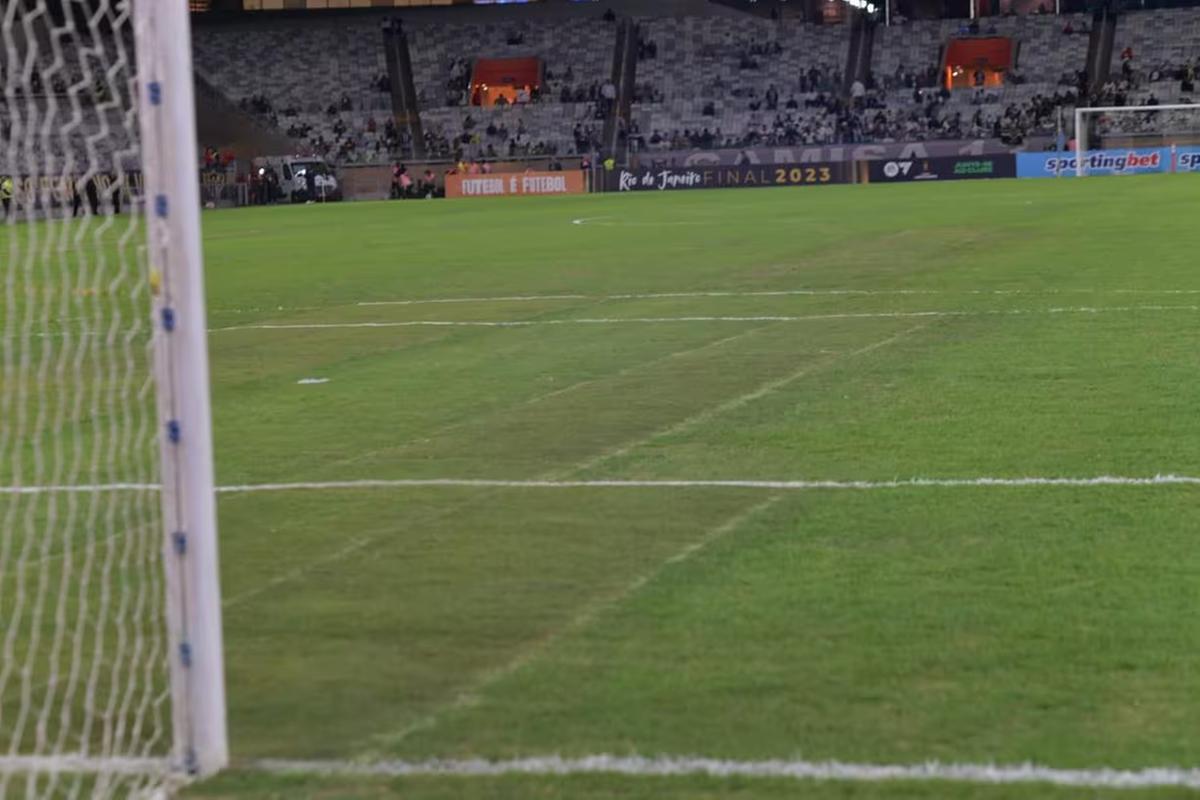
[941,169]
[727,177]
[516,184]
[1132,161]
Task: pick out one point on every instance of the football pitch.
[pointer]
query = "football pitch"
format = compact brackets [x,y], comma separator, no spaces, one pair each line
[830,479]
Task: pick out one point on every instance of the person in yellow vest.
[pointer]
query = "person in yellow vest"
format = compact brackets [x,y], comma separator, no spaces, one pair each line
[610,164]
[6,193]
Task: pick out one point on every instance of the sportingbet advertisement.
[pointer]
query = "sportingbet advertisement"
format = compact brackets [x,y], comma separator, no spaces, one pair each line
[1133,161]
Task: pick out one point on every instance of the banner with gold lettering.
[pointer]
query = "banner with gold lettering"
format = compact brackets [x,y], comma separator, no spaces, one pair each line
[728,177]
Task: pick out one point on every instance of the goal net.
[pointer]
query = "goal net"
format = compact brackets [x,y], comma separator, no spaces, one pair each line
[1133,139]
[110,639]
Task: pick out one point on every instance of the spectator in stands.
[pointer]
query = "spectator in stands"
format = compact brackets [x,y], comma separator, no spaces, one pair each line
[858,93]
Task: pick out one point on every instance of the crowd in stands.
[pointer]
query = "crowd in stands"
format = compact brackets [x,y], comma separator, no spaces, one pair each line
[1162,82]
[717,83]
[494,138]
[1133,85]
[364,138]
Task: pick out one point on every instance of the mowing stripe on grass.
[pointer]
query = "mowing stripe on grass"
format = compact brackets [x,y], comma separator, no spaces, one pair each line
[586,616]
[524,323]
[674,766]
[541,398]
[1165,479]
[740,400]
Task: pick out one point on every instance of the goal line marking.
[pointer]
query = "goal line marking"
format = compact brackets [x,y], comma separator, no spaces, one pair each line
[522,323]
[1164,479]
[675,766]
[85,764]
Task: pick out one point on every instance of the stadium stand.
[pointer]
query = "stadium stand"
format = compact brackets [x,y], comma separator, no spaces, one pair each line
[910,103]
[71,103]
[319,81]
[1155,58]
[702,81]
[568,114]
[717,84]
[716,81]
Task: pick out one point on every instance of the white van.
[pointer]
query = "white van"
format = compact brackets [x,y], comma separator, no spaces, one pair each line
[304,178]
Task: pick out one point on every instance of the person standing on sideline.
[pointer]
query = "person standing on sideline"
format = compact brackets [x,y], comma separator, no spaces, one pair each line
[6,194]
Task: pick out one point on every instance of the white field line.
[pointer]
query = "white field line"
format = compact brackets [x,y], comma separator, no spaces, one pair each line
[520,298]
[84,764]
[780,485]
[676,766]
[447,510]
[93,488]
[532,298]
[625,224]
[434,323]
[472,695]
[1163,479]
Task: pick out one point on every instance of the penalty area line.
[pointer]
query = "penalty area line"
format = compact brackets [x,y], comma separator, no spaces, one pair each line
[532,298]
[525,323]
[680,766]
[1162,479]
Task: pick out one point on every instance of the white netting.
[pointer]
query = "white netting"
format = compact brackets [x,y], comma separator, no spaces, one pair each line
[1148,122]
[84,690]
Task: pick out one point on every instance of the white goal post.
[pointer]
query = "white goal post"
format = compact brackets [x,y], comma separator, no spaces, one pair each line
[172,192]
[111,647]
[1154,120]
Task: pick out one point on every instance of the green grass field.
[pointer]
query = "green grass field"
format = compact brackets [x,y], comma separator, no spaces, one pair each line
[789,338]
